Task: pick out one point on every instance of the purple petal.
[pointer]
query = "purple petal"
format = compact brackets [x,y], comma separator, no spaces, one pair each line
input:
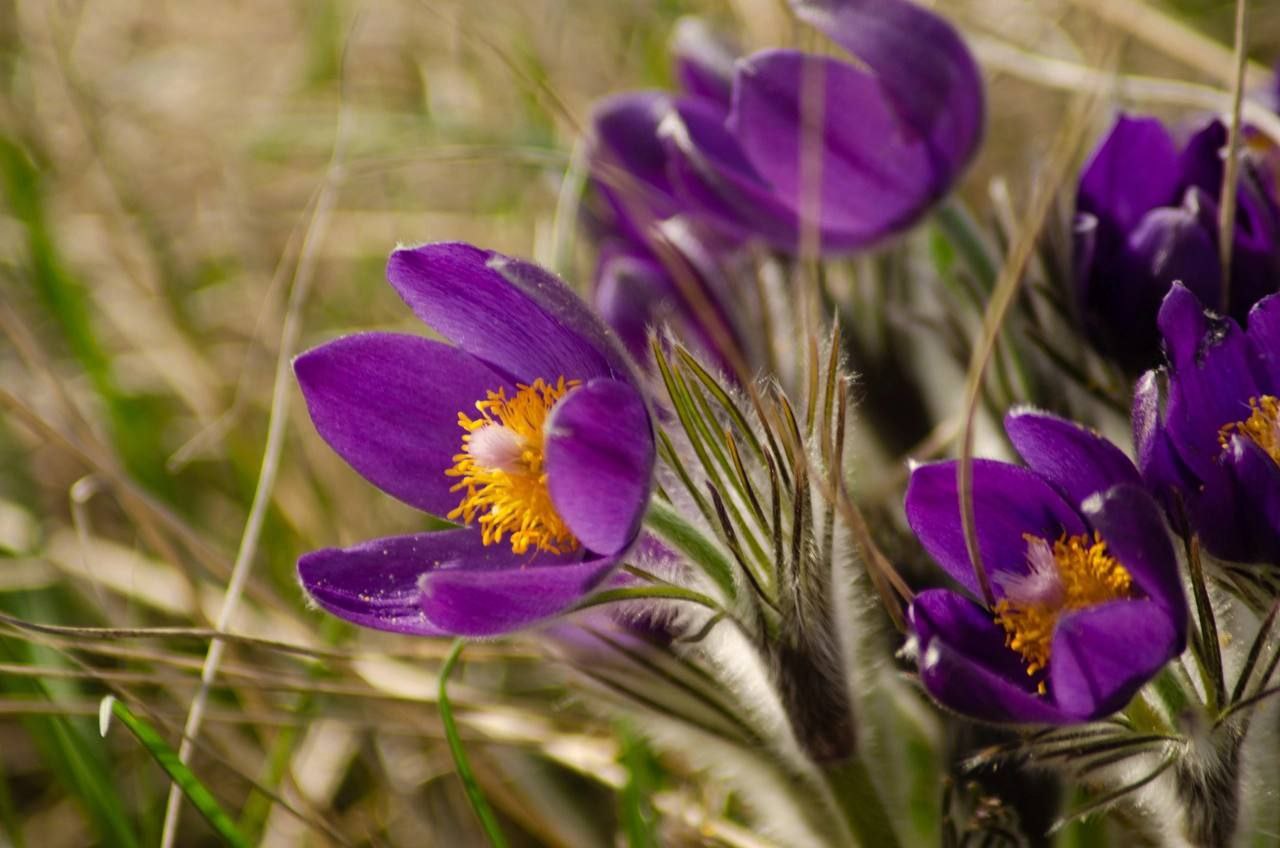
[1102,656]
[1264,343]
[389,403]
[928,74]
[715,179]
[1203,161]
[1134,170]
[1258,476]
[965,665]
[629,161]
[1075,460]
[513,315]
[599,459]
[1133,528]
[852,181]
[1210,381]
[1170,244]
[446,583]
[1163,471]
[1009,502]
[471,601]
[375,584]
[632,294]
[704,61]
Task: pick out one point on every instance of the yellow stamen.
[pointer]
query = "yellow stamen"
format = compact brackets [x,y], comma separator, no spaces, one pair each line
[1076,573]
[501,466]
[1262,426]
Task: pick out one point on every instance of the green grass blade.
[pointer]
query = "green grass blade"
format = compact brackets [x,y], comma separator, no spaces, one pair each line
[479,803]
[199,796]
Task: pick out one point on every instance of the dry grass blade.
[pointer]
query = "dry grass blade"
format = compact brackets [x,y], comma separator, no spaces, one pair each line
[277,420]
[1057,168]
[1231,177]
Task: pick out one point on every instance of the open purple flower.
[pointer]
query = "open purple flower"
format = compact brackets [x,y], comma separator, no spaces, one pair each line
[1088,605]
[1147,215]
[815,147]
[530,429]
[1207,427]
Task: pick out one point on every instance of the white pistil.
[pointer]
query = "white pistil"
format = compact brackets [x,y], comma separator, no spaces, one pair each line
[497,448]
[1041,585]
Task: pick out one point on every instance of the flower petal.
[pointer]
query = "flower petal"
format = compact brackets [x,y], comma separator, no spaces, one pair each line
[375,584]
[1210,381]
[1264,343]
[965,665]
[629,161]
[928,74]
[1009,502]
[1075,460]
[1102,656]
[632,295]
[851,181]
[703,61]
[715,179]
[1259,478]
[599,460]
[446,583]
[389,403]
[1134,530]
[1133,170]
[509,313]
[489,601]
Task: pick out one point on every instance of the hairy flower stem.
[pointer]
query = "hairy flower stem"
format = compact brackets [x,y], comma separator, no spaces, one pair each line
[1209,787]
[860,803]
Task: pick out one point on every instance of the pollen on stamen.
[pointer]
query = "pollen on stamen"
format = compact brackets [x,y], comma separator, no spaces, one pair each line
[502,478]
[1262,426]
[1077,573]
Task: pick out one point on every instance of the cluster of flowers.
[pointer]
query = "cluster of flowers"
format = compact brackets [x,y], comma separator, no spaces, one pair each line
[551,433]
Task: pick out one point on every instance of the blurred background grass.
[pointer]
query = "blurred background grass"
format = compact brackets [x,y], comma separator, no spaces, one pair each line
[161,166]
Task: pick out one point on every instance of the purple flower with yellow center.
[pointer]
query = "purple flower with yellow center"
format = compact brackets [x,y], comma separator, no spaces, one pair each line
[529,429]
[1147,216]
[1207,426]
[1087,603]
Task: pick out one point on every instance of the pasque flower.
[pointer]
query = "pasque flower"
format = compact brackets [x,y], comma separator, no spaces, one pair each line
[1207,426]
[1147,215]
[816,147]
[1088,604]
[529,429]
[657,264]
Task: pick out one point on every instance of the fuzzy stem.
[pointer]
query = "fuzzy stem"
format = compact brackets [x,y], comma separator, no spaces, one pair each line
[1209,788]
[860,803]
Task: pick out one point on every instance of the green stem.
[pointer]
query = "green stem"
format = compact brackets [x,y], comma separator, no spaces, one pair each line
[664,520]
[861,805]
[479,803]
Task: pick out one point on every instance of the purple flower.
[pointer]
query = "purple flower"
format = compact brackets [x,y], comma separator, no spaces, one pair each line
[1207,426]
[813,145]
[530,429]
[1088,605]
[1147,216]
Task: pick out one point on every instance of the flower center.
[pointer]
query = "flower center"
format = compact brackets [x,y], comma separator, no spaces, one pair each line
[1075,573]
[501,469]
[1262,426]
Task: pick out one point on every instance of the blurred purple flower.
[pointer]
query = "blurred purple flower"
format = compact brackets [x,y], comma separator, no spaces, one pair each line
[810,144]
[1147,215]
[531,430]
[1207,426]
[657,265]
[1088,602]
